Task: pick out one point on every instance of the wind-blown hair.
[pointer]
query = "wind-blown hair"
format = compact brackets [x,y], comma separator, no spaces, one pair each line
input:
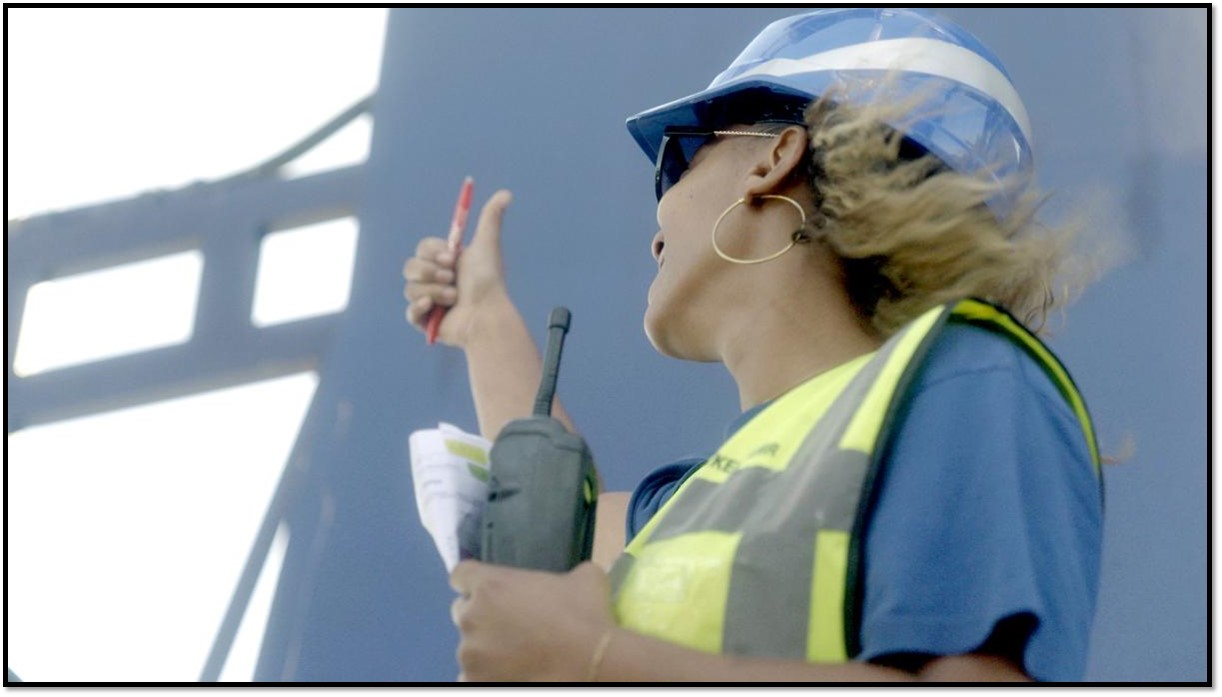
[911,233]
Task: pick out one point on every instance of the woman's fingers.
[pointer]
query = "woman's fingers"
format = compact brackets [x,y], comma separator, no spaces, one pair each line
[434,249]
[417,312]
[457,608]
[423,297]
[430,280]
[425,272]
[440,294]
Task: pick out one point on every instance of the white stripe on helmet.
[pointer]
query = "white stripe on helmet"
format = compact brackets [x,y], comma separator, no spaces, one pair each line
[913,55]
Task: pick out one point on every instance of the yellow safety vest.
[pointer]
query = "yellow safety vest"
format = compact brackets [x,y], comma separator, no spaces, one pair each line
[758,551]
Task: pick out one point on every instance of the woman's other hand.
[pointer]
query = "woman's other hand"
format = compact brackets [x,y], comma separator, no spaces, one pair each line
[534,626]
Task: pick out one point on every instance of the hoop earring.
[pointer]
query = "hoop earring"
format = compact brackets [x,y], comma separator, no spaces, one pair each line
[798,236]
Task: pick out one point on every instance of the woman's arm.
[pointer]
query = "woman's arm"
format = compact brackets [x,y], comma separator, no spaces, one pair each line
[609,527]
[503,362]
[632,657]
[504,368]
[521,625]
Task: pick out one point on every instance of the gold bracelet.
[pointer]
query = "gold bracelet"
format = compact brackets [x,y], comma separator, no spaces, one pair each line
[596,659]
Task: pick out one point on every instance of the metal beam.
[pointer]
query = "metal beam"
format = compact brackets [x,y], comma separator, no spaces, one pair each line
[225,221]
[204,364]
[164,222]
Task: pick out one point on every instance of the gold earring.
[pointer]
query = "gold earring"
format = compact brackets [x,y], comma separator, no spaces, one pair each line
[798,236]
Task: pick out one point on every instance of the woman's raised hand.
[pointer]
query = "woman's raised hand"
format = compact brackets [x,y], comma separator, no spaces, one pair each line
[469,286]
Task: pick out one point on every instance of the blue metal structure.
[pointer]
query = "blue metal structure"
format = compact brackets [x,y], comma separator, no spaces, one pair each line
[534,100]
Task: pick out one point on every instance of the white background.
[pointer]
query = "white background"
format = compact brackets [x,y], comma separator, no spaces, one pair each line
[127,531]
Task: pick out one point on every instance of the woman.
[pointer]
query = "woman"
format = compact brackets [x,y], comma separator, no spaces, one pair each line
[912,491]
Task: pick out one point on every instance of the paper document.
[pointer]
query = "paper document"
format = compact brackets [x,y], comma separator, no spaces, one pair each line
[450,476]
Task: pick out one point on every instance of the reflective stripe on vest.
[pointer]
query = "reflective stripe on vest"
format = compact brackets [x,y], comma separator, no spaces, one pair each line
[757,553]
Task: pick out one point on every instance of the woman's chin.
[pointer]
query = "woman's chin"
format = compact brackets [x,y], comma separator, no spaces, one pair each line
[655,332]
[651,329]
[661,335]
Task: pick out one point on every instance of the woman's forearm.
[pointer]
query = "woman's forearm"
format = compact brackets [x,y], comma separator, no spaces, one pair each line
[632,657]
[504,367]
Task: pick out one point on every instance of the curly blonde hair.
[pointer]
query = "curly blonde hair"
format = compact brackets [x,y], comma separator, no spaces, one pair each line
[912,233]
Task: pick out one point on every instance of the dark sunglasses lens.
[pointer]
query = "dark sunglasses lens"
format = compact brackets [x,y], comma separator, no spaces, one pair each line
[670,164]
[675,157]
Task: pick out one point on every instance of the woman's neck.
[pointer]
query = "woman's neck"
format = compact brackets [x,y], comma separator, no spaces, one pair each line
[783,342]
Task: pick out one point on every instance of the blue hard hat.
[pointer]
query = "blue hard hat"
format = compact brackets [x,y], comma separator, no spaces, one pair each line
[967,113]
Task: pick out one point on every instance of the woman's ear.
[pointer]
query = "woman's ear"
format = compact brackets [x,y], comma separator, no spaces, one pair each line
[776,163]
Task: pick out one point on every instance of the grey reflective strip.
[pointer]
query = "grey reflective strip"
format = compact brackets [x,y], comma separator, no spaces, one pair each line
[769,592]
[839,489]
[768,604]
[696,510]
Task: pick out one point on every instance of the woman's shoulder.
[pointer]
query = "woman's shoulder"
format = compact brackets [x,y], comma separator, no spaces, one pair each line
[984,391]
[965,351]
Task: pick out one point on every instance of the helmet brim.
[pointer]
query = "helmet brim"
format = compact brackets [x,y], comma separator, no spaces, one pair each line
[754,100]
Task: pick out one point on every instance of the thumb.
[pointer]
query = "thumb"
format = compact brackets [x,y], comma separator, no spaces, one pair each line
[464,575]
[591,573]
[488,230]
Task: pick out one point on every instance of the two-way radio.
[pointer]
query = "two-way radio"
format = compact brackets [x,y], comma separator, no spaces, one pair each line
[543,488]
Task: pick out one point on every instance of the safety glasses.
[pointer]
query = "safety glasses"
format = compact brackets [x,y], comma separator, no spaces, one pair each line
[679,146]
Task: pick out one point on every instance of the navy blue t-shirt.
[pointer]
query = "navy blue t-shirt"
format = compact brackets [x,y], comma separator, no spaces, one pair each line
[989,512]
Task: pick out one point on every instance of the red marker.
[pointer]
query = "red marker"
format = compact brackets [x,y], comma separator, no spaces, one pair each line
[457,224]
